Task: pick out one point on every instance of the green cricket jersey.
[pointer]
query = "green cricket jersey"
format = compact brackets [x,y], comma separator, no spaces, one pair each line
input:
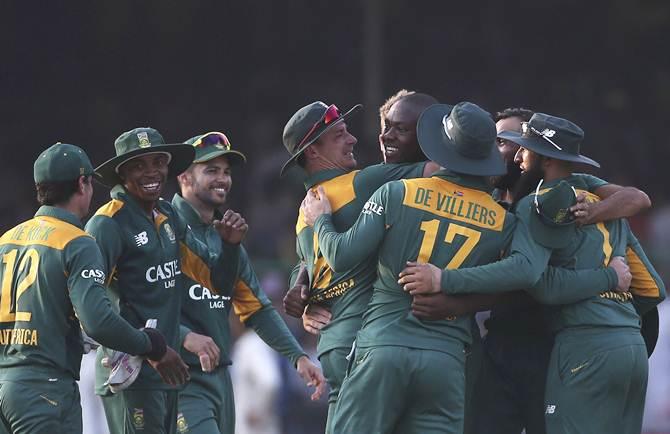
[52,279]
[593,247]
[647,287]
[449,220]
[345,291]
[146,260]
[205,311]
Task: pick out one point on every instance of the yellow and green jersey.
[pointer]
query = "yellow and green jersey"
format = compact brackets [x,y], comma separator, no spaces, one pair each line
[52,277]
[205,310]
[147,260]
[345,291]
[448,220]
[593,302]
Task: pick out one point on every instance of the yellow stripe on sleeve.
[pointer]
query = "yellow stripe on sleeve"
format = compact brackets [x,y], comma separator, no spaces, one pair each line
[245,302]
[643,284]
[195,268]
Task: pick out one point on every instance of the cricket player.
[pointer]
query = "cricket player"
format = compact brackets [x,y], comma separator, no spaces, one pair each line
[598,369]
[147,252]
[404,220]
[318,140]
[206,403]
[53,286]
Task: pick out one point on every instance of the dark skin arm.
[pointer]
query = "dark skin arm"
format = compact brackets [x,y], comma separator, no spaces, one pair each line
[439,306]
[617,202]
[296,298]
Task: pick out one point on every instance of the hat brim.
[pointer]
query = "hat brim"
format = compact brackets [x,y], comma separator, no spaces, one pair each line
[542,147]
[553,237]
[234,157]
[295,156]
[437,146]
[181,158]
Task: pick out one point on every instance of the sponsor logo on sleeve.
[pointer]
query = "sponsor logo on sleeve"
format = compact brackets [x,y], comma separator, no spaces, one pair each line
[372,208]
[98,276]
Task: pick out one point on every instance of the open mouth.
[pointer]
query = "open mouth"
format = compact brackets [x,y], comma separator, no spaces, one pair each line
[390,150]
[152,187]
[220,190]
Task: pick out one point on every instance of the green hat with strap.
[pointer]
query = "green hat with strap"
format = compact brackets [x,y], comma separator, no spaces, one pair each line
[142,141]
[61,162]
[551,222]
[212,145]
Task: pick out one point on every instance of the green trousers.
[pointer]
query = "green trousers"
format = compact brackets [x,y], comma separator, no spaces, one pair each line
[206,404]
[404,391]
[141,411]
[40,407]
[334,366]
[597,381]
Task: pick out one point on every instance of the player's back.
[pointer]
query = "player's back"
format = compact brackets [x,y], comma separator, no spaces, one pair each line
[448,220]
[39,332]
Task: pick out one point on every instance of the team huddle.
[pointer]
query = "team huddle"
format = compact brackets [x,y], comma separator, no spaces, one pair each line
[466,214]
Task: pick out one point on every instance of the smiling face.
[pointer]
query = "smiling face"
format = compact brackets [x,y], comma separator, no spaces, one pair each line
[144,176]
[209,182]
[334,149]
[398,138]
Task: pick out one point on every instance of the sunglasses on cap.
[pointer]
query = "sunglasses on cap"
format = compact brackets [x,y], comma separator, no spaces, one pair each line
[212,139]
[527,129]
[564,217]
[331,114]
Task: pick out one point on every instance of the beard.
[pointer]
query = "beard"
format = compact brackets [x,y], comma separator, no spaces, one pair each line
[508,180]
[527,183]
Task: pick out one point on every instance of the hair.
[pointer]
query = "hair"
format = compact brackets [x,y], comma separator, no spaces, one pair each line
[58,192]
[384,108]
[513,112]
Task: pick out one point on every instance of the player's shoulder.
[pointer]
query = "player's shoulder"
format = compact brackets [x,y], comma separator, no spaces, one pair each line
[110,209]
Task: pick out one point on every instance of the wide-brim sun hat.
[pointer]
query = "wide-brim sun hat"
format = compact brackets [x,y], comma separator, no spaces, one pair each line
[213,144]
[552,137]
[308,124]
[143,141]
[461,138]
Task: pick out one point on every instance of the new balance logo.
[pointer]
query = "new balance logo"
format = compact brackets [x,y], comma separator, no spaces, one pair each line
[141,239]
[551,409]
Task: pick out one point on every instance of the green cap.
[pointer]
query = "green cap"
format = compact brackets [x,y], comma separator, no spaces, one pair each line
[61,162]
[551,222]
[461,138]
[214,144]
[141,141]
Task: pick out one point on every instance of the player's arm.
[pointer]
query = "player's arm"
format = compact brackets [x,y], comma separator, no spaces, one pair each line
[647,286]
[83,263]
[255,309]
[616,202]
[344,250]
[564,286]
[215,271]
[440,305]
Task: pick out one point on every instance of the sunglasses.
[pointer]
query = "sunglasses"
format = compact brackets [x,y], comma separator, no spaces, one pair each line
[564,217]
[332,114]
[546,134]
[212,139]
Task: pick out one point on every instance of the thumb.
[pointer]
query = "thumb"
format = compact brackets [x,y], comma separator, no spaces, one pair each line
[205,362]
[304,292]
[321,192]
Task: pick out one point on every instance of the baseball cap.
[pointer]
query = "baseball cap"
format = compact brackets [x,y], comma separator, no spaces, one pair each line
[214,144]
[61,162]
[551,223]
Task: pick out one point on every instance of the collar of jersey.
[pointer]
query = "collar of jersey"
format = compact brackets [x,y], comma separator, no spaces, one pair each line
[188,213]
[470,181]
[321,176]
[60,214]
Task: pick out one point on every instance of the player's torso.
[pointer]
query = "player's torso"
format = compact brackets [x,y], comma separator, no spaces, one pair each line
[205,310]
[438,221]
[346,293]
[593,248]
[38,327]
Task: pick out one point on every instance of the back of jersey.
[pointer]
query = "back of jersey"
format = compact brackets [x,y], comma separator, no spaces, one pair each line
[449,221]
[39,333]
